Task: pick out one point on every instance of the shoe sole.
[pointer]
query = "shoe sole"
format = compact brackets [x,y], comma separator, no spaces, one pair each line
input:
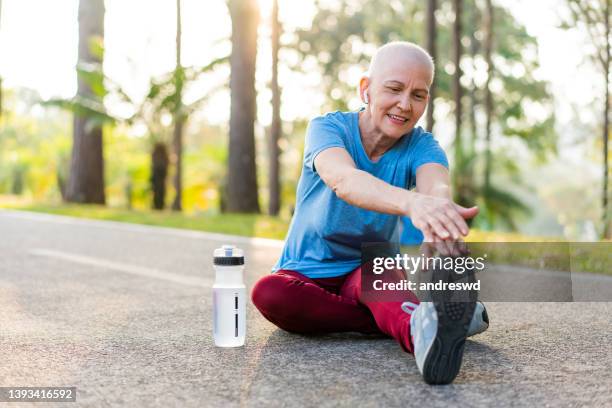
[445,354]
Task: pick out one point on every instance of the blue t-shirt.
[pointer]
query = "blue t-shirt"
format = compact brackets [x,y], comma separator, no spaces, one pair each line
[410,234]
[326,233]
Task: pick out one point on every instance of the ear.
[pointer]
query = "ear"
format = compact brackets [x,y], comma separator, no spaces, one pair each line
[364,84]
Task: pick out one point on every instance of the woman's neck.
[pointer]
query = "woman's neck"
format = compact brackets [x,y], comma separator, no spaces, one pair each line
[375,142]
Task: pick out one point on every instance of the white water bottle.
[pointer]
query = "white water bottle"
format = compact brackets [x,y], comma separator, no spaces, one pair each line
[229,297]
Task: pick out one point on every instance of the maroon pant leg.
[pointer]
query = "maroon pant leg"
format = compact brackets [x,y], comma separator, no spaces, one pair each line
[389,316]
[299,304]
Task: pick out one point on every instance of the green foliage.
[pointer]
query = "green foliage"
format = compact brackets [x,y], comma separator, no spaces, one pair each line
[345,34]
[590,16]
[33,149]
[500,208]
[165,94]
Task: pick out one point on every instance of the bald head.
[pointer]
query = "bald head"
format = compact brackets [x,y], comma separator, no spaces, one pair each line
[402,53]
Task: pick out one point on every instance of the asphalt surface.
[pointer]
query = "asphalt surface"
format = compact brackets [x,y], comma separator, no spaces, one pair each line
[123,312]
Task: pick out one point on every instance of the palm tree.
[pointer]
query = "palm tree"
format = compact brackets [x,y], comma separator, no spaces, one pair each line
[275,128]
[431,48]
[462,184]
[488,46]
[159,171]
[457,89]
[242,174]
[0,76]
[86,179]
[179,117]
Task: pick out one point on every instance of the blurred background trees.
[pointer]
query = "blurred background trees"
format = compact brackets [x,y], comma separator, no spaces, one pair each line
[242,193]
[86,177]
[594,16]
[493,114]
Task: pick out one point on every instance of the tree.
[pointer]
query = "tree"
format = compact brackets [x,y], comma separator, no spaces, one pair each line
[596,17]
[473,90]
[86,179]
[488,47]
[163,98]
[460,182]
[431,38]
[242,175]
[178,117]
[0,76]
[159,171]
[276,127]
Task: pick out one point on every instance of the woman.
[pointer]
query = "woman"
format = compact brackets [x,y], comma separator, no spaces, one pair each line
[357,169]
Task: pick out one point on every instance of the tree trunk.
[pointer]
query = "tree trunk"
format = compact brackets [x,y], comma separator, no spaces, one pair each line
[607,217]
[275,128]
[488,46]
[0,76]
[86,181]
[458,175]
[177,136]
[159,172]
[474,48]
[431,48]
[242,176]
[457,90]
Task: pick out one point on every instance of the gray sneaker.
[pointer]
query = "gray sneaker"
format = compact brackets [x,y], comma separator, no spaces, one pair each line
[479,323]
[439,330]
[480,320]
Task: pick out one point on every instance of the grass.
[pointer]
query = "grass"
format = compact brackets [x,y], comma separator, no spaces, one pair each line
[247,225]
[508,248]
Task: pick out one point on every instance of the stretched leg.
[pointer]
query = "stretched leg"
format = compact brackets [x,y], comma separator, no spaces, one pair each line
[299,304]
[390,317]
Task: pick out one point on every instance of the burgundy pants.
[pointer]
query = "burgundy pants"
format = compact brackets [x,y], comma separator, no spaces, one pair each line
[299,304]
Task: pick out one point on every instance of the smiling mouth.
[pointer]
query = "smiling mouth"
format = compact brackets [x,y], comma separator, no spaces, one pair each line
[399,120]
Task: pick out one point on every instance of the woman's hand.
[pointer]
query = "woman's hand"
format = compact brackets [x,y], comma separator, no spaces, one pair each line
[439,218]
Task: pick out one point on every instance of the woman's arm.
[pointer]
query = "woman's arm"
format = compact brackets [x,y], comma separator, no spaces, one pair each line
[430,207]
[433,179]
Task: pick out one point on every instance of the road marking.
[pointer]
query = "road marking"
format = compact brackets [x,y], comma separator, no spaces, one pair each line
[122,267]
[116,225]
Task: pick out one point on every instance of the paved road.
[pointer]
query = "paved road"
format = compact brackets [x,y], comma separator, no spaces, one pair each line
[123,313]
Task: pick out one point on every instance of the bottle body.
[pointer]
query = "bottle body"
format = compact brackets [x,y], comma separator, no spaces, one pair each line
[229,315]
[229,297]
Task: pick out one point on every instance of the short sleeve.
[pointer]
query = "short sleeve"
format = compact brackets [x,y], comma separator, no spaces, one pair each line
[322,133]
[427,150]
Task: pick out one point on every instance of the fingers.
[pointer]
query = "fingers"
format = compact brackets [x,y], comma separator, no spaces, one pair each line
[438,227]
[467,213]
[448,225]
[454,224]
[448,222]
[427,249]
[433,245]
[458,221]
[443,247]
[462,247]
[441,217]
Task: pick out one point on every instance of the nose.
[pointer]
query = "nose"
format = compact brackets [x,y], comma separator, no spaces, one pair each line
[404,103]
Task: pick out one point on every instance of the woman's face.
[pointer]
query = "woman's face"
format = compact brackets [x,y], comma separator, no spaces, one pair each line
[397,96]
